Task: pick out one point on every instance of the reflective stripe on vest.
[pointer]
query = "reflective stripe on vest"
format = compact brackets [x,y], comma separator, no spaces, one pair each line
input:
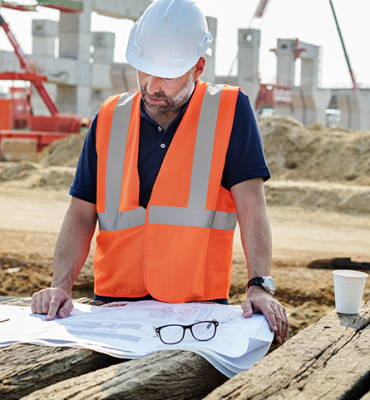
[195,214]
[111,219]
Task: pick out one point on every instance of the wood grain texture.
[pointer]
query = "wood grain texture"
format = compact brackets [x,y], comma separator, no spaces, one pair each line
[163,375]
[328,360]
[25,368]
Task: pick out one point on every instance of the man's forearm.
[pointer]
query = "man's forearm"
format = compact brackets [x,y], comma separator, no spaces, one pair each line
[257,244]
[255,227]
[255,231]
[73,245]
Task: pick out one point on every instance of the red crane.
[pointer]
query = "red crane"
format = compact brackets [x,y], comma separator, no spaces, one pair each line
[29,67]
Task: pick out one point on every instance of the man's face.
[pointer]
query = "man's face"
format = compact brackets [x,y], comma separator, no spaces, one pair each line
[161,95]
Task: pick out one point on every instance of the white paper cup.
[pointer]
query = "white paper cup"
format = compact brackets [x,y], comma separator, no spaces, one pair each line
[348,288]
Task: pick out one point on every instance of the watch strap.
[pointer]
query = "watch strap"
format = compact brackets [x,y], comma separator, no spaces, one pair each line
[260,281]
[256,282]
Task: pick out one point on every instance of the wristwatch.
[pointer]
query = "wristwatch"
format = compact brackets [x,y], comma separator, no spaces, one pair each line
[266,283]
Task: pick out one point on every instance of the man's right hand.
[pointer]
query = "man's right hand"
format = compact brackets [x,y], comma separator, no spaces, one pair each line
[52,301]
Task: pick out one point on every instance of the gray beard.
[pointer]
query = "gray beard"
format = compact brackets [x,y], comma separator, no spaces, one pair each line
[172,103]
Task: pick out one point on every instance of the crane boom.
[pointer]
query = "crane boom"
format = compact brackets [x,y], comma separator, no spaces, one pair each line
[355,88]
[27,65]
[260,8]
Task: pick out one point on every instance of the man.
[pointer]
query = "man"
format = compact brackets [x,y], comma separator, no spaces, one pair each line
[166,170]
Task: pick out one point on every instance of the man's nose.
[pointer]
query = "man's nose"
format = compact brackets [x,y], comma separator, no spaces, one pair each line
[153,85]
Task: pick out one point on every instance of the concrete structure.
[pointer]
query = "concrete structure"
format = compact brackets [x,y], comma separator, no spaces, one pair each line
[84,73]
[248,64]
[308,103]
[355,109]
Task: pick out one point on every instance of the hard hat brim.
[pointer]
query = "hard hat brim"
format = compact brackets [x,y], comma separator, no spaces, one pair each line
[153,69]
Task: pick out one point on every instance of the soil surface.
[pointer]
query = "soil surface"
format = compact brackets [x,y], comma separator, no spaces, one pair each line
[318,203]
[30,221]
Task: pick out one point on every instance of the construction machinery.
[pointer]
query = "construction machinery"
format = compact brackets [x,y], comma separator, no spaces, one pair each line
[18,125]
[354,84]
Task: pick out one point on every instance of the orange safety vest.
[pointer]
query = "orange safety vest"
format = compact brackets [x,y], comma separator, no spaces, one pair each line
[180,247]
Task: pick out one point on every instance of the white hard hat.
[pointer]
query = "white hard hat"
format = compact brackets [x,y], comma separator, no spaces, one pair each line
[169,38]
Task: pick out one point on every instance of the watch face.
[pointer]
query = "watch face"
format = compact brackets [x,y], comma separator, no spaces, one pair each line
[270,283]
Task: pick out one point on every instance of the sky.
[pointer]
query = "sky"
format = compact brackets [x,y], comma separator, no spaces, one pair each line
[310,21]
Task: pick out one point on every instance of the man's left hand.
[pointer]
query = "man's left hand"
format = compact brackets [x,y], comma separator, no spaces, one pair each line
[259,301]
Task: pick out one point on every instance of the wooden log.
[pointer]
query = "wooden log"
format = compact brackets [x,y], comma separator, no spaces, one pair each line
[163,375]
[25,368]
[328,360]
[29,370]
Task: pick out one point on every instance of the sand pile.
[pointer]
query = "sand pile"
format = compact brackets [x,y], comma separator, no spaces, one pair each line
[315,153]
[54,167]
[316,167]
[312,167]
[64,152]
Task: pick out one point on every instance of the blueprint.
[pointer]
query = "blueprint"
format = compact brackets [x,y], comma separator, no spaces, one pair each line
[126,330]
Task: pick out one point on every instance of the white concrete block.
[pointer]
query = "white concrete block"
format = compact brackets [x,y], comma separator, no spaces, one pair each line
[75,45]
[285,62]
[9,61]
[76,22]
[249,45]
[103,39]
[355,109]
[123,77]
[43,45]
[58,70]
[310,104]
[103,55]
[83,72]
[83,100]
[44,27]
[101,77]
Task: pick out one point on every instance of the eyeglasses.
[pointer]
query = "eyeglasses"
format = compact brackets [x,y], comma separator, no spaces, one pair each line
[172,334]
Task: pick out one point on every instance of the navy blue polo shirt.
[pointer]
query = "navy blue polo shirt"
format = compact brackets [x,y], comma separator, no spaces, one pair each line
[244,159]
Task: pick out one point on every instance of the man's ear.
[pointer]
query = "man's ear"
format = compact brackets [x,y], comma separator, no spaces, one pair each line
[199,68]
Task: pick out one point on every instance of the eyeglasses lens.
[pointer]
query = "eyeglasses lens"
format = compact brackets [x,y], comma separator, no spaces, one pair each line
[204,330]
[172,334]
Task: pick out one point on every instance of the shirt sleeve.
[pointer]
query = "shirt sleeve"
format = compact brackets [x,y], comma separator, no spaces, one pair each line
[83,186]
[245,157]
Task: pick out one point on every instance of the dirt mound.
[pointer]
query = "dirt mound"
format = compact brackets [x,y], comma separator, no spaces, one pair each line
[54,167]
[319,195]
[295,153]
[315,153]
[28,174]
[64,152]
[25,276]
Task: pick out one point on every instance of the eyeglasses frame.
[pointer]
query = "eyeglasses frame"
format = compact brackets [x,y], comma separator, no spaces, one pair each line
[185,327]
